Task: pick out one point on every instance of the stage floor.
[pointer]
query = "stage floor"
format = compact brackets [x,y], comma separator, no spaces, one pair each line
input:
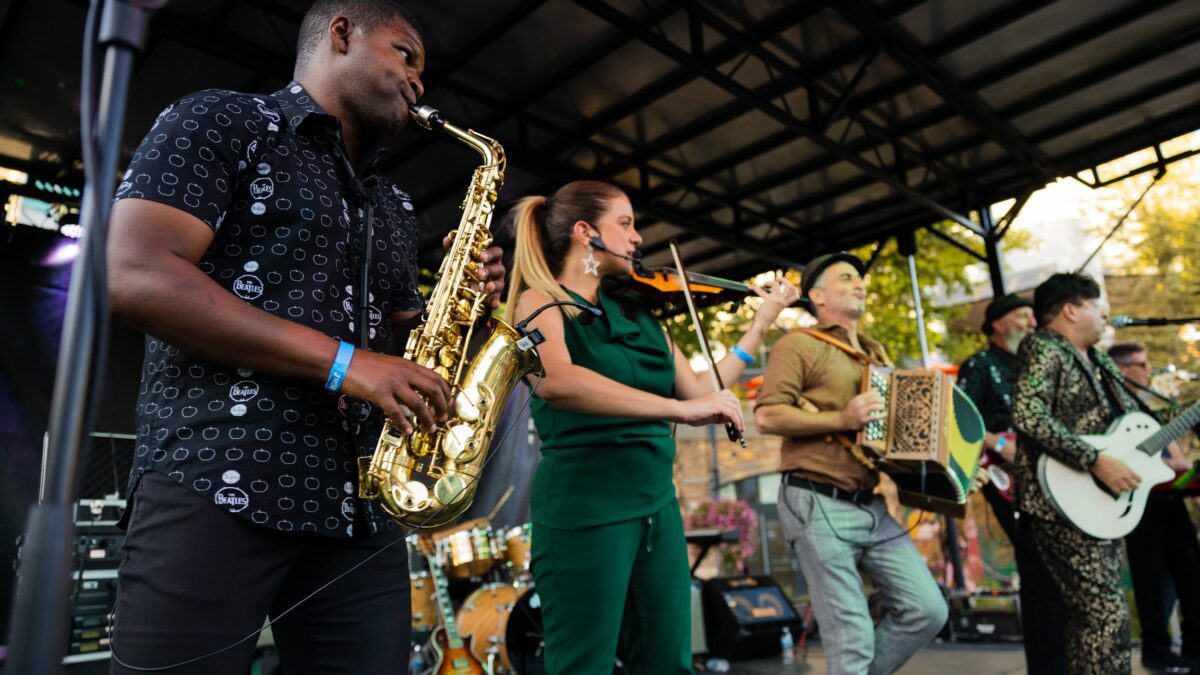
[936,659]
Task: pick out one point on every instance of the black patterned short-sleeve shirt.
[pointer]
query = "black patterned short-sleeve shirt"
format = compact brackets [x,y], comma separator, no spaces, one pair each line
[987,377]
[270,176]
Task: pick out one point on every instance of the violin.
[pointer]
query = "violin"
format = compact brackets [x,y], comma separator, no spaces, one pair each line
[662,290]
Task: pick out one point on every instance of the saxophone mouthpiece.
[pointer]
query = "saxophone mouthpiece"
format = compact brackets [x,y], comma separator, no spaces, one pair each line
[425,116]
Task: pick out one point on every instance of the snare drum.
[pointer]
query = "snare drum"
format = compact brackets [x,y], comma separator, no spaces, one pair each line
[517,548]
[509,617]
[467,550]
[424,602]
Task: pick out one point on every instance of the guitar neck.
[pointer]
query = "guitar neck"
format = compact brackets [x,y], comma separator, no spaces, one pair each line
[1171,431]
[443,599]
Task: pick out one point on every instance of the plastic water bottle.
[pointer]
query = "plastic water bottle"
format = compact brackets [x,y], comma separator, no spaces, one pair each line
[786,646]
[416,660]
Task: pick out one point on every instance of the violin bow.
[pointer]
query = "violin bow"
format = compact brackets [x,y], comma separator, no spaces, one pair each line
[718,385]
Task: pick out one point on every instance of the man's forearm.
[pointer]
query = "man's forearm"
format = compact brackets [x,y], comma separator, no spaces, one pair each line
[787,420]
[172,300]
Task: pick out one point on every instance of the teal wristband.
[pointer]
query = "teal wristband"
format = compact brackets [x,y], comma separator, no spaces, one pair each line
[742,354]
[341,363]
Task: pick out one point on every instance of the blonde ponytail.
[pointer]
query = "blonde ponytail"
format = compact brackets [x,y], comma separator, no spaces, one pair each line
[530,269]
[543,236]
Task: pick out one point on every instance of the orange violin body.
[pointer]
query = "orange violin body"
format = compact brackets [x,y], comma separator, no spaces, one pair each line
[662,289]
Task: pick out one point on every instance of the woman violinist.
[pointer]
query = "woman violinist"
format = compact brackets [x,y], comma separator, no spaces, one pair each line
[609,555]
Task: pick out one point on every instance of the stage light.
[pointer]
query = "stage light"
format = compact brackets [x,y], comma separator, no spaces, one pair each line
[63,254]
[13,176]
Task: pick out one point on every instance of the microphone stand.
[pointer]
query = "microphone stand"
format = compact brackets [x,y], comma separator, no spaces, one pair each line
[906,245]
[1132,322]
[40,625]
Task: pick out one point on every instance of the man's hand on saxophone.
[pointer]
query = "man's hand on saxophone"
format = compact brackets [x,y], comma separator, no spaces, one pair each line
[491,275]
[398,386]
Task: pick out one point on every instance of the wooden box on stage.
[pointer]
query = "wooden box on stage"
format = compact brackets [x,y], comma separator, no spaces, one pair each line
[930,440]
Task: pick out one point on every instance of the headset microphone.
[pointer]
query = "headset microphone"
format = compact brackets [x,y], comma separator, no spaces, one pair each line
[598,244]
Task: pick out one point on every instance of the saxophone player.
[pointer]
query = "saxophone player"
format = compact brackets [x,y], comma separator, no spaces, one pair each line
[237,245]
[609,556]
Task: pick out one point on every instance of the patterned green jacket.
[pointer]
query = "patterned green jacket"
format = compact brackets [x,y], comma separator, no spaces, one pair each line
[1057,398]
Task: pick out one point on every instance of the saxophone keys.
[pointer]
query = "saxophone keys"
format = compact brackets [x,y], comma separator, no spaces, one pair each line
[419,445]
[470,404]
[460,444]
[412,496]
[450,489]
[448,357]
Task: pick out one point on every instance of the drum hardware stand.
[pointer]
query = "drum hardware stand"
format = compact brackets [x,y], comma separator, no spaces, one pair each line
[493,651]
[500,504]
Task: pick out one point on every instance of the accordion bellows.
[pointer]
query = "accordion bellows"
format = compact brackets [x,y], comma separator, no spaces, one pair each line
[930,440]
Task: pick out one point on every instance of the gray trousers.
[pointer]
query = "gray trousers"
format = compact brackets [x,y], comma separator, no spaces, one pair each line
[832,539]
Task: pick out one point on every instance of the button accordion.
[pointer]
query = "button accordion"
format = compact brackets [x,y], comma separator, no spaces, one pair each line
[930,439]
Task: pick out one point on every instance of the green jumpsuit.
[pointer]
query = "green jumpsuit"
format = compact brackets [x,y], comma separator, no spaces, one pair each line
[609,556]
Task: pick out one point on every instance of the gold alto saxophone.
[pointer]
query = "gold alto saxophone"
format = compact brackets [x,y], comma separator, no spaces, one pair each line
[429,479]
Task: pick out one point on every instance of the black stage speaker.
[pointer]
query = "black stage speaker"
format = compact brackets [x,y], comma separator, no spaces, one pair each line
[985,616]
[744,616]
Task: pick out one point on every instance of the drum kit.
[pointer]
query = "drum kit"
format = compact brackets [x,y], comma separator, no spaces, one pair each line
[488,570]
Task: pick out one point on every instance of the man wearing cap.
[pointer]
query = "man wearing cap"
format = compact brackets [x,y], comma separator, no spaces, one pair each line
[987,377]
[828,508]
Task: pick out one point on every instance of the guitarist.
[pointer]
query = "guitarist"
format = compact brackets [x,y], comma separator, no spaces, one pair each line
[1163,553]
[987,377]
[1066,388]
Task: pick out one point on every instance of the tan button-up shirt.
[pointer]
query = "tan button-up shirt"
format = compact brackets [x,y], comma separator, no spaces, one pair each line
[815,376]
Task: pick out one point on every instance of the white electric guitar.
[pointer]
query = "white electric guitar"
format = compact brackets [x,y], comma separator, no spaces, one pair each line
[1136,439]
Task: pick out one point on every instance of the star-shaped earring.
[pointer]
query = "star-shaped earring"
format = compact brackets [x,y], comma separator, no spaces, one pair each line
[591,264]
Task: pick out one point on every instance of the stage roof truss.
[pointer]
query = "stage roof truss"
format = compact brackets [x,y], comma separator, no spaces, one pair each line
[759,132]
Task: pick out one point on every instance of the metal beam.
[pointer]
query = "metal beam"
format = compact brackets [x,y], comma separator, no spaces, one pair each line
[1013,211]
[530,162]
[789,78]
[670,50]
[909,53]
[1152,130]
[843,55]
[1118,105]
[932,229]
[1082,33]
[961,145]
[991,245]
[558,172]
[660,87]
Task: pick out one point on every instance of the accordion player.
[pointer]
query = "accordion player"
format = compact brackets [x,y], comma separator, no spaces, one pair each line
[929,440]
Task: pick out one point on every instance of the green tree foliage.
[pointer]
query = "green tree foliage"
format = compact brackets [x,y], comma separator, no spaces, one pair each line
[891,314]
[1157,271]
